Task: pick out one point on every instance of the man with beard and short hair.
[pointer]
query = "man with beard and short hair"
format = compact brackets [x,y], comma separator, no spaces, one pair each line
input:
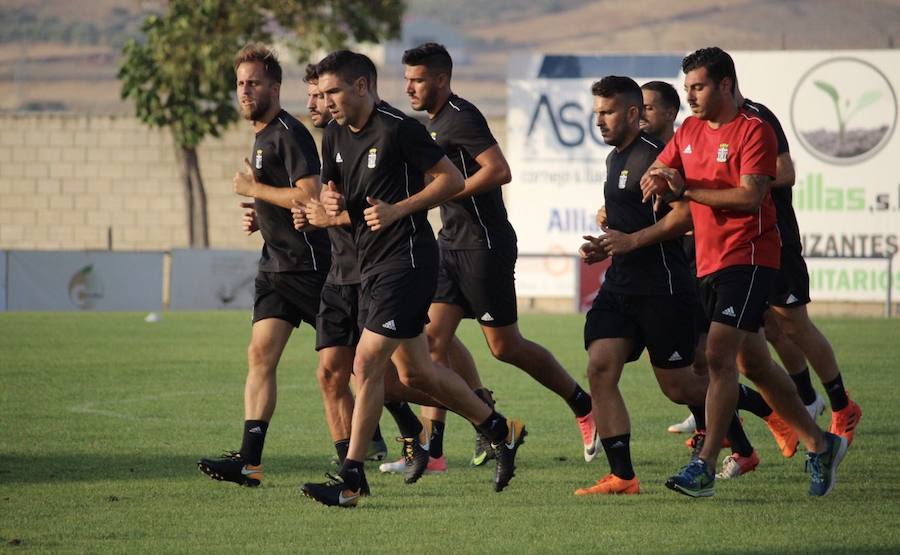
[661,106]
[478,248]
[723,160]
[293,266]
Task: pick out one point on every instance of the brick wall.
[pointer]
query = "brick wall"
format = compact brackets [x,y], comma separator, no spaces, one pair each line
[66,179]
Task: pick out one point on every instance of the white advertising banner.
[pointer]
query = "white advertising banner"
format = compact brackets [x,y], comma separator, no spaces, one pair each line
[84,280]
[838,110]
[212,279]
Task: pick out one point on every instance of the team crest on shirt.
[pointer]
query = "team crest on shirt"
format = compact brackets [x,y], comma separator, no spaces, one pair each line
[373,154]
[434,135]
[623,177]
[259,158]
[722,154]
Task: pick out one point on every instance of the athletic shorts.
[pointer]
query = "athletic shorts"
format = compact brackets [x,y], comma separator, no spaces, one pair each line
[791,287]
[337,324]
[289,296]
[738,296]
[482,282]
[395,304]
[664,324]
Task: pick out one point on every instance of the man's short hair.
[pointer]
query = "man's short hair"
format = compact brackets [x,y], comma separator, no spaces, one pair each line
[616,85]
[717,62]
[431,55]
[258,52]
[668,96]
[311,74]
[348,66]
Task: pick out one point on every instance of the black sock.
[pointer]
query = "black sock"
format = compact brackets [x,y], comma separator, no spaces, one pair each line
[836,393]
[804,387]
[342,446]
[618,453]
[254,439]
[436,445]
[580,402]
[699,416]
[740,443]
[485,395]
[377,435]
[750,400]
[494,428]
[352,472]
[406,419]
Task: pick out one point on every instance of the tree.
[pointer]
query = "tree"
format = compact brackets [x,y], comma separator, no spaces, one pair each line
[180,74]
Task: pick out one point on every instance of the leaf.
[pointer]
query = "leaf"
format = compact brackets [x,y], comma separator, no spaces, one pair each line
[867,99]
[828,88]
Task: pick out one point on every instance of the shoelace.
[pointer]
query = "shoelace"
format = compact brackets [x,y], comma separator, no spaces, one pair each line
[695,470]
[233,455]
[813,466]
[333,480]
[408,451]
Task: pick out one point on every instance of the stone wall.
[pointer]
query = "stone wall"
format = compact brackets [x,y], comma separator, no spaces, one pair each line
[66,180]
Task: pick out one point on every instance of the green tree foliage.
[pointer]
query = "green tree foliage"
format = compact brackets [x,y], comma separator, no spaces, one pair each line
[180,74]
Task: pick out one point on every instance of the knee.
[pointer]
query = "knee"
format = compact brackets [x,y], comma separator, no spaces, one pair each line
[600,372]
[718,362]
[504,349]
[415,381]
[331,377]
[675,392]
[259,359]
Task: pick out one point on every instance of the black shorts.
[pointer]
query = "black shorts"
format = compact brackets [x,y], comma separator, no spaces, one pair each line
[664,324]
[738,296]
[482,282]
[701,320]
[337,324]
[791,287]
[289,296]
[395,304]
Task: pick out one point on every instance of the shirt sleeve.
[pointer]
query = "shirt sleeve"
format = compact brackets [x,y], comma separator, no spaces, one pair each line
[330,168]
[298,150]
[671,154]
[416,145]
[471,132]
[759,151]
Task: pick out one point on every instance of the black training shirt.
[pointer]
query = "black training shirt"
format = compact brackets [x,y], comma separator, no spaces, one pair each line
[660,269]
[344,263]
[781,196]
[480,221]
[284,152]
[385,160]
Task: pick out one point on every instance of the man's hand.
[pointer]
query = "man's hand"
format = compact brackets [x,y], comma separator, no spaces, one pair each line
[298,212]
[249,223]
[591,252]
[316,215]
[332,199]
[601,217]
[245,181]
[380,214]
[617,243]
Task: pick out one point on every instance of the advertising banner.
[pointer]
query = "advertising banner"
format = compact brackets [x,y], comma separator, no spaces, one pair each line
[212,279]
[838,110]
[84,280]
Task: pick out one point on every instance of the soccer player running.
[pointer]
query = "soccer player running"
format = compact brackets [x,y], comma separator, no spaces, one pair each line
[789,329]
[293,266]
[478,244]
[722,159]
[648,290]
[376,160]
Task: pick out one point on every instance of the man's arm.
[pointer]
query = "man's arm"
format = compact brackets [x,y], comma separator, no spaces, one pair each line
[745,198]
[313,215]
[494,173]
[446,182]
[673,225]
[784,171]
[304,189]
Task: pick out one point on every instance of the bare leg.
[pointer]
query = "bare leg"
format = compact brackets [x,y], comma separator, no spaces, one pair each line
[335,364]
[508,345]
[267,340]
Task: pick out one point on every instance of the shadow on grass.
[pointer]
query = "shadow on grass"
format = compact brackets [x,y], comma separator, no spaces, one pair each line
[62,468]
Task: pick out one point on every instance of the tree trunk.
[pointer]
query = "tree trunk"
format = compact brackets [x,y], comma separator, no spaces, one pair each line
[184,172]
[196,212]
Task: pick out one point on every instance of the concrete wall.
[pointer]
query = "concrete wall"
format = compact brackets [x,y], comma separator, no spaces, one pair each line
[66,179]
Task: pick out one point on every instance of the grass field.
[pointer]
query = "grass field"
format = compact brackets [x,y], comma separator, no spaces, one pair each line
[104,417]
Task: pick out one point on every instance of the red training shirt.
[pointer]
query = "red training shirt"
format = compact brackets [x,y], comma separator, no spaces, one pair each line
[716,159]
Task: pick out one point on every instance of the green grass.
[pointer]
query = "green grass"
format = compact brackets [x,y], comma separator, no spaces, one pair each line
[104,416]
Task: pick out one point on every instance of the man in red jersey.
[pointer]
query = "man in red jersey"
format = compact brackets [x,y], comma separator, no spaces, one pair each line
[722,160]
